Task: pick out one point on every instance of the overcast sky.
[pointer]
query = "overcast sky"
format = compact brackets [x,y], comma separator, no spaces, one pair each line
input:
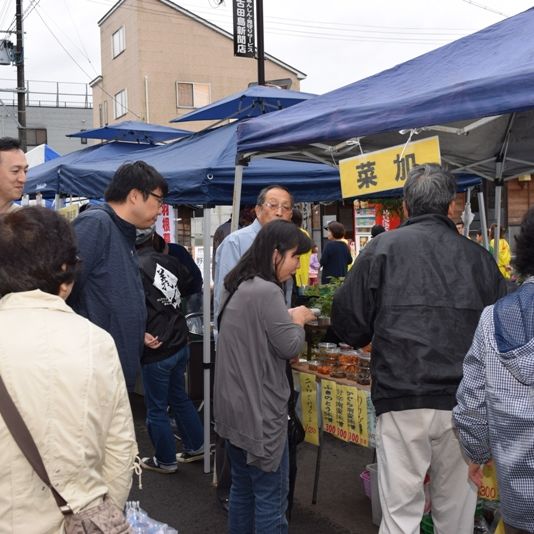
[335,42]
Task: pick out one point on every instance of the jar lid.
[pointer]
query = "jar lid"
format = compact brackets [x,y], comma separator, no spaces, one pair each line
[325,345]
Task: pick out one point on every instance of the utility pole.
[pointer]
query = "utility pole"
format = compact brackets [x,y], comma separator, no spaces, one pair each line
[261,50]
[21,83]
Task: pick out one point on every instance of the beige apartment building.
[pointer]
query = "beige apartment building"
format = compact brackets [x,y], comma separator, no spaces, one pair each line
[160,61]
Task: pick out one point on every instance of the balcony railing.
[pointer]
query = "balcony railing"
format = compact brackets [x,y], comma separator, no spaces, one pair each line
[41,93]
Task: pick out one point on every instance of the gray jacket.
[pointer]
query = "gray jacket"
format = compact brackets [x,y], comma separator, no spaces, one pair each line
[256,338]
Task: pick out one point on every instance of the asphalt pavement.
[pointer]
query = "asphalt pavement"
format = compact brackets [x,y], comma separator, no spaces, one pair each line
[186,500]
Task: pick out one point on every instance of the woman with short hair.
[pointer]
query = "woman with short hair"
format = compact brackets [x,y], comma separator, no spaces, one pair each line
[64,376]
[257,336]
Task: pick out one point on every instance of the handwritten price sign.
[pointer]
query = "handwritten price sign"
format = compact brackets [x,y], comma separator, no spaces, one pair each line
[308,405]
[488,488]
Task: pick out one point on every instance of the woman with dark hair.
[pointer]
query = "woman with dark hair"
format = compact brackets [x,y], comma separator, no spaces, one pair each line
[336,256]
[257,336]
[495,411]
[64,376]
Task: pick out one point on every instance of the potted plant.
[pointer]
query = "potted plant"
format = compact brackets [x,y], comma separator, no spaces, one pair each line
[322,296]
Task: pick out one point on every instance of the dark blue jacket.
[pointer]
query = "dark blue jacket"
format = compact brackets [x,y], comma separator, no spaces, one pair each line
[109,291]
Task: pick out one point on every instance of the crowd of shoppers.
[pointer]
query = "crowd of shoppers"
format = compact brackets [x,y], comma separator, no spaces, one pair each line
[452,355]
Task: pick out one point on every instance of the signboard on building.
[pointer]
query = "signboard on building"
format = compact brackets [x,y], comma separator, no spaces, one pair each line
[385,169]
[244,40]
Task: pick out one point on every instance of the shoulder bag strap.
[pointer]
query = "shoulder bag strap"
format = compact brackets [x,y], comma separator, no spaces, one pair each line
[219,317]
[24,440]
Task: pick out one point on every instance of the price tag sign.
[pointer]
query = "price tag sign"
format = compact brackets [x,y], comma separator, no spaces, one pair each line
[362,428]
[341,413]
[308,404]
[328,406]
[488,488]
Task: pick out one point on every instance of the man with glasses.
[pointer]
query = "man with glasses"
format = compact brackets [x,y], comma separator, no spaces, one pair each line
[274,202]
[109,291]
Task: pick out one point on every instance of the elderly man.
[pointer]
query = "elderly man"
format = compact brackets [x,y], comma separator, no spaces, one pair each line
[273,202]
[109,291]
[417,294]
[13,169]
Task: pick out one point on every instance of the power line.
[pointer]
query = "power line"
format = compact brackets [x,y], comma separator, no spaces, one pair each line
[486,8]
[332,29]
[78,65]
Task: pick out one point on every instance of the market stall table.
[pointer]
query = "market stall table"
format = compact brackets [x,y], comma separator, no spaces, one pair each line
[338,406]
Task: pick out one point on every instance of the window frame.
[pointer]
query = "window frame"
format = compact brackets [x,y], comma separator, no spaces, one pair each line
[193,85]
[121,32]
[123,104]
[38,135]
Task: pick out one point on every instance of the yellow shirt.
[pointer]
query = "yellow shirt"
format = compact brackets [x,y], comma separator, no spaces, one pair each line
[504,257]
[302,273]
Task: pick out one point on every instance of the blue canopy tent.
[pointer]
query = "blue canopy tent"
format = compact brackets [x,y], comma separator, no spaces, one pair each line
[40,154]
[47,178]
[134,131]
[199,170]
[251,102]
[476,94]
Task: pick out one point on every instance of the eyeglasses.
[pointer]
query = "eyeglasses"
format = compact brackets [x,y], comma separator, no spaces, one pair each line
[159,198]
[275,206]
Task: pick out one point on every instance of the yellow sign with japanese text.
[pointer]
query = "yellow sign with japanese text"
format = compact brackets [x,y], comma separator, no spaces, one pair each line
[328,406]
[385,169]
[489,489]
[308,404]
[69,212]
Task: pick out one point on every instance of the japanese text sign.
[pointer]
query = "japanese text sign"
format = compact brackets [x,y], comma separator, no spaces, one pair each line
[244,41]
[385,169]
[165,225]
[308,404]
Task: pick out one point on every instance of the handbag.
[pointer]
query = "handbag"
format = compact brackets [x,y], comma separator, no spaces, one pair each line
[103,518]
[295,429]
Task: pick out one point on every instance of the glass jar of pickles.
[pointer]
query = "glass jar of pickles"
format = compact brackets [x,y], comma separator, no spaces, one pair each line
[325,348]
[364,364]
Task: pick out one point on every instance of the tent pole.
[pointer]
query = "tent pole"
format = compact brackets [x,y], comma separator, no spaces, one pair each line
[497,234]
[483,221]
[206,342]
[467,209]
[236,202]
[500,162]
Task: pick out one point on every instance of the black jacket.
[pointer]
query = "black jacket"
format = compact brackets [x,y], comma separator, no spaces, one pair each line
[417,293]
[165,281]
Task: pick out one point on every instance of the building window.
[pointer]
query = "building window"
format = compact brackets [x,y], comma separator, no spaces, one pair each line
[120,104]
[118,42]
[36,136]
[192,95]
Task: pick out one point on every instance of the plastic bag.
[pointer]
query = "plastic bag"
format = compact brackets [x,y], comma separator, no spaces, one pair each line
[141,523]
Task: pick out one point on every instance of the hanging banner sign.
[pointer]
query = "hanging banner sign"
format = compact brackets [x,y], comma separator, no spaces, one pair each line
[308,405]
[385,169]
[244,41]
[165,225]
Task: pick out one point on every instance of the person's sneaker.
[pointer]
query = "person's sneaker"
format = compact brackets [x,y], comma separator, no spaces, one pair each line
[191,456]
[152,464]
